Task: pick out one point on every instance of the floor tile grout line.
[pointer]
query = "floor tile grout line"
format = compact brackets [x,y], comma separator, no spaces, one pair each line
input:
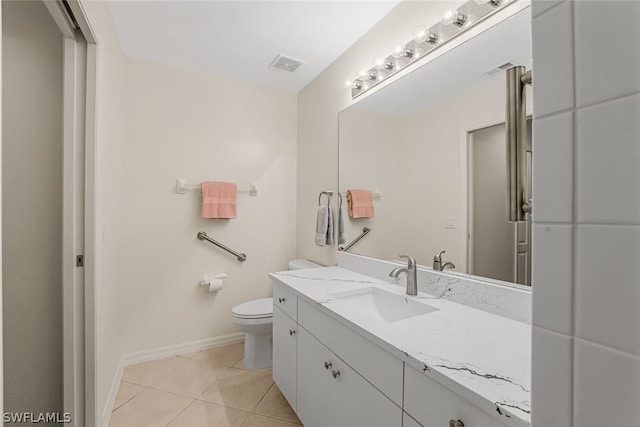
[129,399]
[262,398]
[275,418]
[179,413]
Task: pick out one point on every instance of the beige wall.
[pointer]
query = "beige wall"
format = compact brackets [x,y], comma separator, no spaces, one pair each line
[32,197]
[203,128]
[318,107]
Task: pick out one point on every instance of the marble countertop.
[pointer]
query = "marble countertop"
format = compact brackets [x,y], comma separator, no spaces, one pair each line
[483,357]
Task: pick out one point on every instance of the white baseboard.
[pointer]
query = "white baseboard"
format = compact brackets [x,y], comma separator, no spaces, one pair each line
[160,353]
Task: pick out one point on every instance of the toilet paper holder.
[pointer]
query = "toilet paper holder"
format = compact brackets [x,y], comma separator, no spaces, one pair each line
[206,280]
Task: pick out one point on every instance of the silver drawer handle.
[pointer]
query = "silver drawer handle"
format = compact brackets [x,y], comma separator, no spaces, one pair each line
[280,300]
[292,331]
[456,423]
[336,374]
[327,365]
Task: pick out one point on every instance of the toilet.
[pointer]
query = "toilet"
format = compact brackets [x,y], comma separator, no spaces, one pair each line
[255,319]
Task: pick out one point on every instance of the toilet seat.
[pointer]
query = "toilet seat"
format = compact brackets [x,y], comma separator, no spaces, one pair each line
[256,309]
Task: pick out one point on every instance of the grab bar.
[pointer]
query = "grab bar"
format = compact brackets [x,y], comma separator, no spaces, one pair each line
[203,236]
[365,231]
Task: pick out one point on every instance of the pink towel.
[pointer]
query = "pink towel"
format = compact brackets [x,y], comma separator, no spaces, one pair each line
[219,199]
[360,203]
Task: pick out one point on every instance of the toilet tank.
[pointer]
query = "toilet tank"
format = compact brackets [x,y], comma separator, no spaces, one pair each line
[299,264]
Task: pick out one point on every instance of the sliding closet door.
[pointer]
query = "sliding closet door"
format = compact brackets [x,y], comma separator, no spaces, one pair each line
[32,173]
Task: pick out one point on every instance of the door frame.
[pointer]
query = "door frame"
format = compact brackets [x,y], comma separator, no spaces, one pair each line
[78,288]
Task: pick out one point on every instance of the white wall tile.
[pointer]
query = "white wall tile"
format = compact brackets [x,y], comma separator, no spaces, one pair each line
[553,61]
[553,183]
[538,7]
[608,155]
[607,43]
[607,387]
[551,379]
[607,286]
[552,277]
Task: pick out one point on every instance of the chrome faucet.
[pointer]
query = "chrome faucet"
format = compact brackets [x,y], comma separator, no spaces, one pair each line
[411,272]
[438,265]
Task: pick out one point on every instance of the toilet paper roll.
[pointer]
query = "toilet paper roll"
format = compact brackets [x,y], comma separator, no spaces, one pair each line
[215,285]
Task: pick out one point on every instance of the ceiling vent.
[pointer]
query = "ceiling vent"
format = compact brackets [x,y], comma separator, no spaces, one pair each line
[285,63]
[498,68]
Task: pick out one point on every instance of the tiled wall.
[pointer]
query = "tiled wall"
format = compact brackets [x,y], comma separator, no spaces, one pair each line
[586,235]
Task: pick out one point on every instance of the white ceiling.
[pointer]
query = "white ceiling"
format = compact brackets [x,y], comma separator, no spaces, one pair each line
[239,39]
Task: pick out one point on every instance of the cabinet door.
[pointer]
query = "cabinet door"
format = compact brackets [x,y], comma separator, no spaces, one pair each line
[337,395]
[315,384]
[285,338]
[433,405]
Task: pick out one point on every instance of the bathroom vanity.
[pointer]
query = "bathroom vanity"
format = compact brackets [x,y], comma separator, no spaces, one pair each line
[353,350]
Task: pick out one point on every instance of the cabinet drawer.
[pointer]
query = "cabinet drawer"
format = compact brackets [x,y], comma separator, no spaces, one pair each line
[380,368]
[433,405]
[285,300]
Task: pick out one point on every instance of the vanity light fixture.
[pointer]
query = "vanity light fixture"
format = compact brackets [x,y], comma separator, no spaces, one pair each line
[453,23]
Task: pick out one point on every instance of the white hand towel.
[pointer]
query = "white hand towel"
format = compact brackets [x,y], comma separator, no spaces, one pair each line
[322,225]
[329,227]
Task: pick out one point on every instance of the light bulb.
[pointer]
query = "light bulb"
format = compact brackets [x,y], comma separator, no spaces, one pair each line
[425,36]
[454,17]
[420,36]
[383,64]
[357,85]
[402,52]
[348,83]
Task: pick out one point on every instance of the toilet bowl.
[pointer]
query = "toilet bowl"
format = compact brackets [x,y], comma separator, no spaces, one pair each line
[255,319]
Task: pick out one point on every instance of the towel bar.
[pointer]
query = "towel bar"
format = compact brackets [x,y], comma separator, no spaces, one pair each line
[327,193]
[365,231]
[182,187]
[203,236]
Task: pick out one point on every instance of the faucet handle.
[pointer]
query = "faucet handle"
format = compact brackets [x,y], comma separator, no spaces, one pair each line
[410,260]
[438,257]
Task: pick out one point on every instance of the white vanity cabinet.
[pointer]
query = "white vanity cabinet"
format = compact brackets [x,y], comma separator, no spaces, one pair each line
[433,405]
[330,393]
[335,377]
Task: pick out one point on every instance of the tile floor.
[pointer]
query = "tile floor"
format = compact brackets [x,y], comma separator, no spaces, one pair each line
[207,388]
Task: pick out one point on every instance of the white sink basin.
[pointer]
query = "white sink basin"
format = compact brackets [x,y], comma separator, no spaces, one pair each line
[382,305]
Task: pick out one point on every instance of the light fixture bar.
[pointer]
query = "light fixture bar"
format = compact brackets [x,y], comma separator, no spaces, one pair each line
[452,24]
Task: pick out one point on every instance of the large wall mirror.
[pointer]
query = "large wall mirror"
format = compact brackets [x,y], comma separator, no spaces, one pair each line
[432,145]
